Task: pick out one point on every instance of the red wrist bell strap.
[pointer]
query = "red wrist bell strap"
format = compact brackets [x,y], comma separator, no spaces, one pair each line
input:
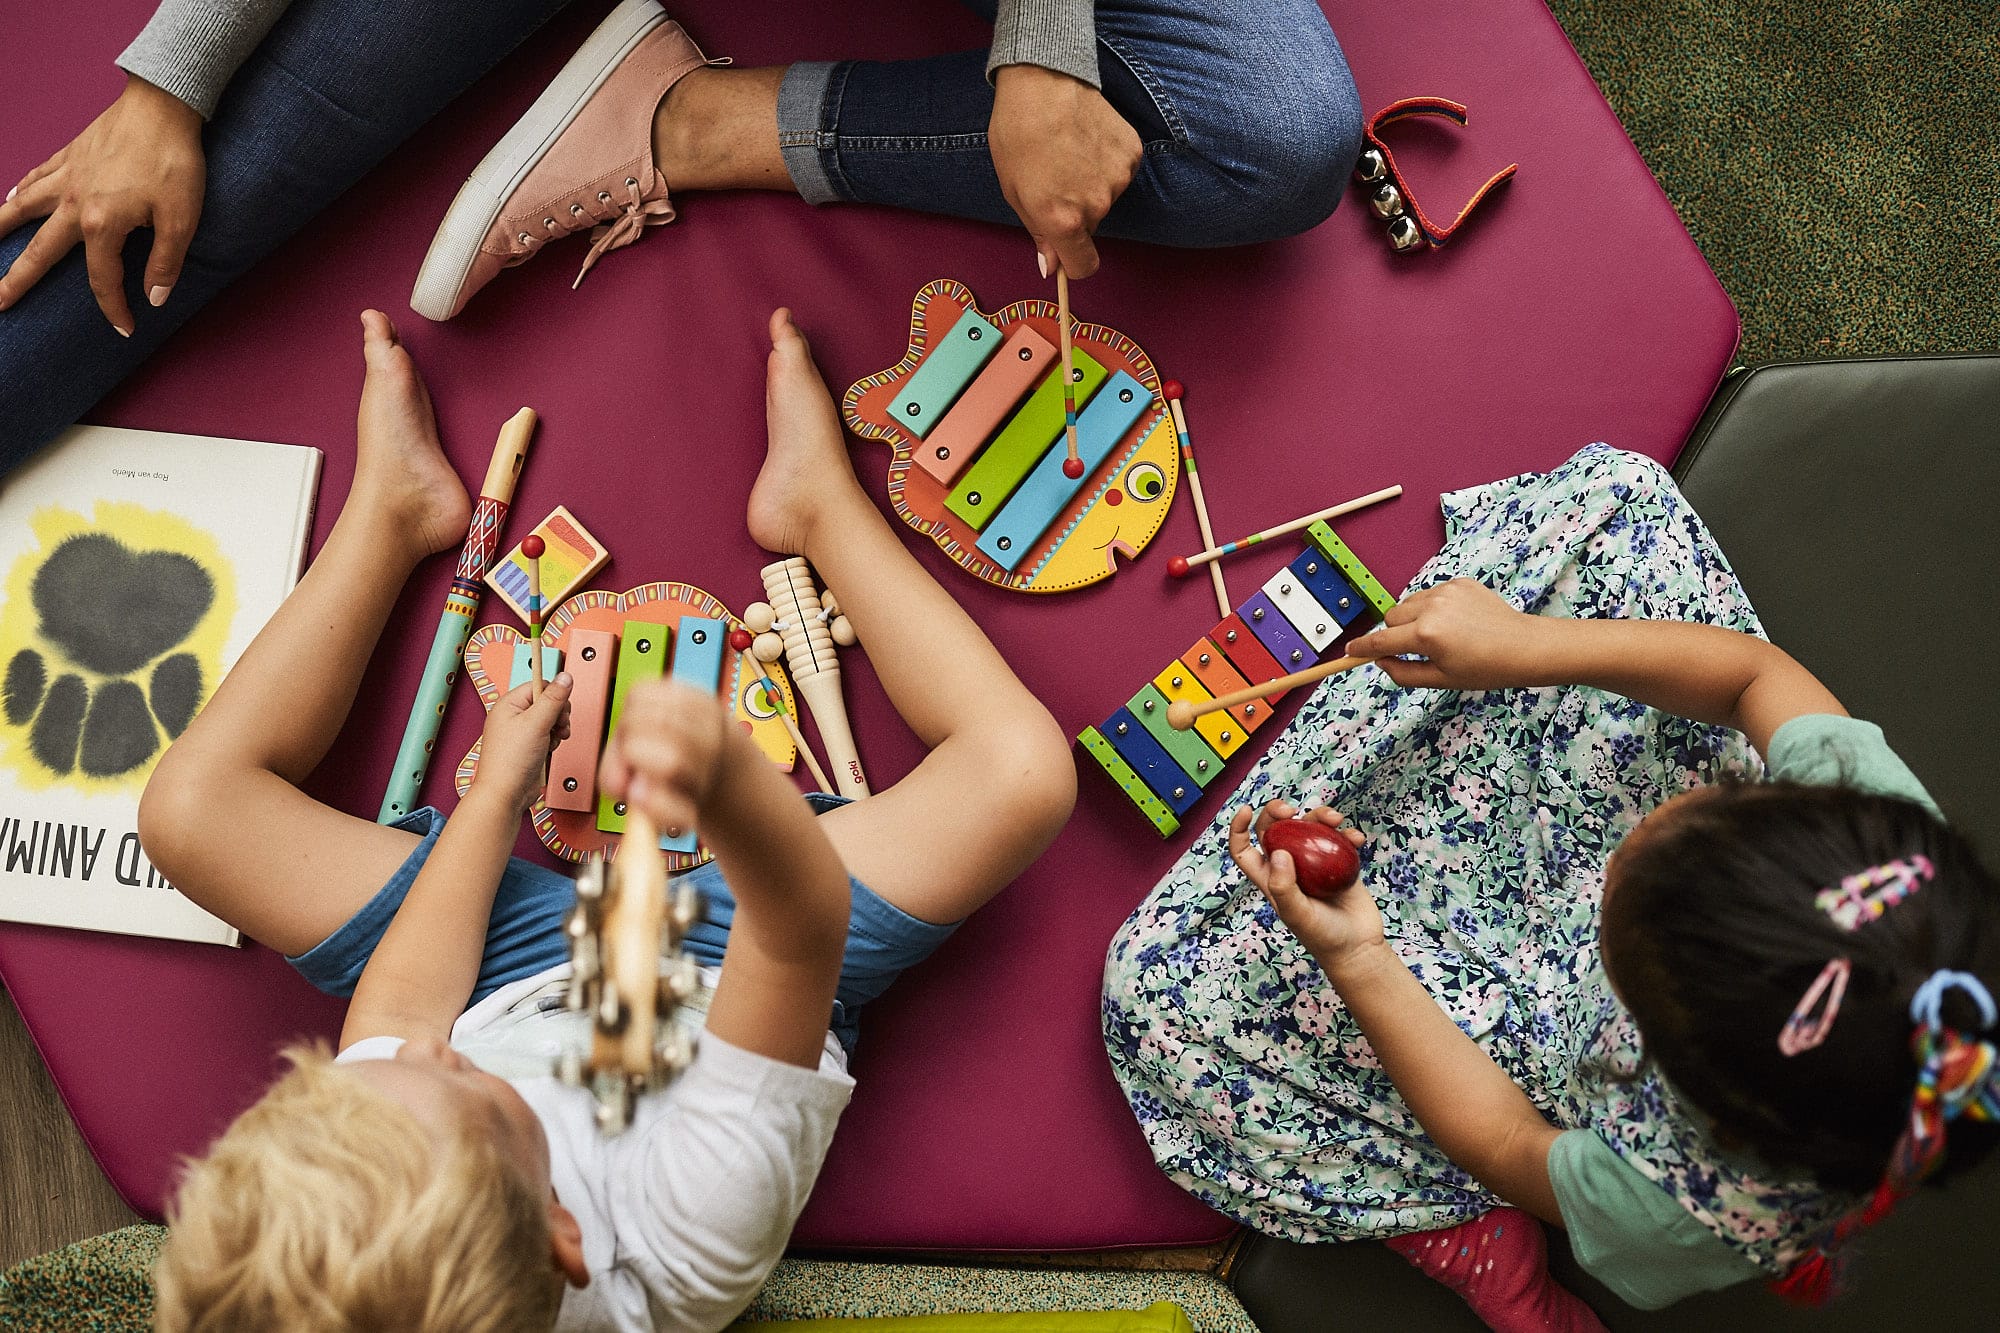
[1389,193]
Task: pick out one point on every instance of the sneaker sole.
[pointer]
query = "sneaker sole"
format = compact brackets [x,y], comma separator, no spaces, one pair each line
[441,280]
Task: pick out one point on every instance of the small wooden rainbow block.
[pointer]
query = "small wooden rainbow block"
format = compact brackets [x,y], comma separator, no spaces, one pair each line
[1288,624]
[571,556]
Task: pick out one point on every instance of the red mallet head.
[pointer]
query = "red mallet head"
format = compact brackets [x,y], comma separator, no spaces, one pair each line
[1172,389]
[1325,860]
[740,640]
[533,546]
[1178,567]
[1072,468]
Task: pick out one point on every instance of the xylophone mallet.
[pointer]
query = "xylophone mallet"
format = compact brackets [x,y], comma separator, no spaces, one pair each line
[1181,714]
[532,547]
[1181,564]
[742,641]
[1172,391]
[1073,465]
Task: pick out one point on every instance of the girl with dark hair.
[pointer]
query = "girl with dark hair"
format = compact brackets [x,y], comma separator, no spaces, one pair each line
[1596,971]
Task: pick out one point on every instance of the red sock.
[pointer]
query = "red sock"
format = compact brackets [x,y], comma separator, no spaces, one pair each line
[1499,1263]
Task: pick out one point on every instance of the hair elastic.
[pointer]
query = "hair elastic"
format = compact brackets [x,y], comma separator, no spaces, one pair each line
[1866,894]
[1927,1005]
[1955,1077]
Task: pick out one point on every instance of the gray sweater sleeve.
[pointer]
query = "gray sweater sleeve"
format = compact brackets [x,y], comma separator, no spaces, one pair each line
[1056,34]
[192,48]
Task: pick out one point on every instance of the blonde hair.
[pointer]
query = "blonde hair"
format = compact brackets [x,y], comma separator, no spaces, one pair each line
[329,1206]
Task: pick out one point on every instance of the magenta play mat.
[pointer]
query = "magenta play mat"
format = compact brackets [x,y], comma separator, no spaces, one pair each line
[1575,308]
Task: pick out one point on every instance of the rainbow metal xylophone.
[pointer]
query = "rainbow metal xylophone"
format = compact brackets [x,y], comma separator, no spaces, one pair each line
[1290,623]
[974,416]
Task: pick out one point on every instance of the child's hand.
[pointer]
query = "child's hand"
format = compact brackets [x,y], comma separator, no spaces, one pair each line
[669,750]
[1470,637]
[1335,928]
[520,731]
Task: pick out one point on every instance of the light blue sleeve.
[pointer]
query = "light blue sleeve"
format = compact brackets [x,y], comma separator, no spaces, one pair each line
[1826,750]
[1630,1234]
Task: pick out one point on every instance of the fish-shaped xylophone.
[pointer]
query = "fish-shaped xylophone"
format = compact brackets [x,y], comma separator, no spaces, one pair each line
[974,416]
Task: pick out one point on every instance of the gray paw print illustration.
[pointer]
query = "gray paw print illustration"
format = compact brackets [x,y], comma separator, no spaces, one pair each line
[110,611]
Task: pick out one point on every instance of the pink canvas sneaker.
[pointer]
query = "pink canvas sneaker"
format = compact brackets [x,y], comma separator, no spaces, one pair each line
[581,158]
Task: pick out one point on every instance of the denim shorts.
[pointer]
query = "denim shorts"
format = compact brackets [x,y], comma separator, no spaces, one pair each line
[524,935]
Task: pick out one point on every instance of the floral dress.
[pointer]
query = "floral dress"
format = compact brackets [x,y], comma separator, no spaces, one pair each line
[1490,818]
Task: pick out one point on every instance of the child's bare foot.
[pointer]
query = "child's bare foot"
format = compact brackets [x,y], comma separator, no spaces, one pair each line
[807,475]
[401,472]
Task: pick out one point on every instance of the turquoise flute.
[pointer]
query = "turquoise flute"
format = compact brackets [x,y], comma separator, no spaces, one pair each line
[461,605]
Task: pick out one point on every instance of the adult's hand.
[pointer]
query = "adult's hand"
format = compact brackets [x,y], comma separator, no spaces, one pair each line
[139,164]
[1064,155]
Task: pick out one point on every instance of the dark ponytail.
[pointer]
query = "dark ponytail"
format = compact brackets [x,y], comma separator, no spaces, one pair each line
[1711,936]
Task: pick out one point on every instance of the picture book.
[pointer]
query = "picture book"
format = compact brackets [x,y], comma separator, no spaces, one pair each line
[137,567]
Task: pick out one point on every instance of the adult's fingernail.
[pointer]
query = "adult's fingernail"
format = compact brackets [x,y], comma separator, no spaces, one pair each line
[158,296]
[122,332]
[11,193]
[1042,263]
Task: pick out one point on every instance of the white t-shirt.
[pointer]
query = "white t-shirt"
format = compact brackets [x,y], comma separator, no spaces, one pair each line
[686,1212]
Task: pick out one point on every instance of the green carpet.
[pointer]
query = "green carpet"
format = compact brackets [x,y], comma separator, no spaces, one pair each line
[1839,164]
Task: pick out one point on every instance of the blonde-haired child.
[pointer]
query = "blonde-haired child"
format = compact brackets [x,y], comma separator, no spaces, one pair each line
[433,1176]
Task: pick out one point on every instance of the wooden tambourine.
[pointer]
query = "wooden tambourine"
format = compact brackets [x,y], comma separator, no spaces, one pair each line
[627,971]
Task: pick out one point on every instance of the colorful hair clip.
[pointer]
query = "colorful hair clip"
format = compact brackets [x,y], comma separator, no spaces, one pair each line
[1866,894]
[1802,1031]
[1860,898]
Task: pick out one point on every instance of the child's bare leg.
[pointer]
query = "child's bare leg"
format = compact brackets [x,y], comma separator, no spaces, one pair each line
[998,783]
[223,817]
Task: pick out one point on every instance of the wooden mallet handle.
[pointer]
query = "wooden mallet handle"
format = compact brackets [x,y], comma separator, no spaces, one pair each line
[1072,465]
[1181,714]
[532,549]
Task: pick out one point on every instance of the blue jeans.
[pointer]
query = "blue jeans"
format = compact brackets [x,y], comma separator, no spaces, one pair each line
[1249,117]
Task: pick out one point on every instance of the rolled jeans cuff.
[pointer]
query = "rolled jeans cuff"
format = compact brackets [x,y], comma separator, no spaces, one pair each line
[807,109]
